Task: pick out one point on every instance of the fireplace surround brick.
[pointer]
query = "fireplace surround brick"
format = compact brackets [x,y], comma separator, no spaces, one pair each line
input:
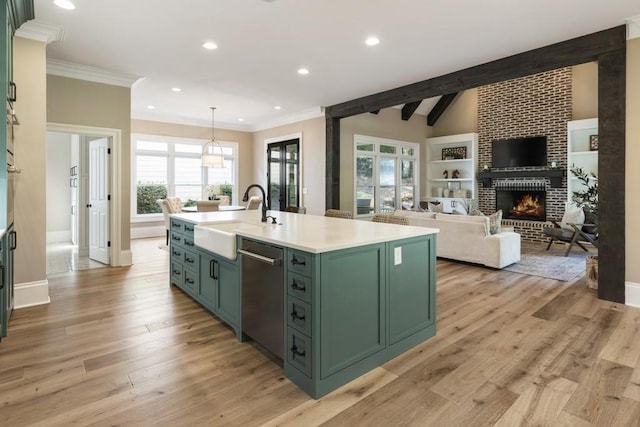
[534,105]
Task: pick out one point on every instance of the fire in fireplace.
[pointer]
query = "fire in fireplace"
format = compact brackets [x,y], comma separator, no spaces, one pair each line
[522,201]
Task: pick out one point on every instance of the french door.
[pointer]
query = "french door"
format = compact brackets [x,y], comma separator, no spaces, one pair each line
[283,174]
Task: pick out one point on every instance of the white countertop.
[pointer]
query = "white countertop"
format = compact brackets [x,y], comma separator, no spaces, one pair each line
[310,233]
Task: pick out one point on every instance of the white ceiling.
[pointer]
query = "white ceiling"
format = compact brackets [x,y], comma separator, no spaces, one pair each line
[261,44]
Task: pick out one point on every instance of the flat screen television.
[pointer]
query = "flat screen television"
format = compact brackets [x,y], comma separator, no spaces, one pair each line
[519,152]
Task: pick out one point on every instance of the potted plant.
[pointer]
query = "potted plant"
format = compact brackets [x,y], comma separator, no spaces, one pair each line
[588,200]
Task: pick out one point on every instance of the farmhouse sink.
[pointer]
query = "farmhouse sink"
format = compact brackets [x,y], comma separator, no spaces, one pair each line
[219,238]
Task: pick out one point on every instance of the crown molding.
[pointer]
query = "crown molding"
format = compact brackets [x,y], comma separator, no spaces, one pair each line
[39,31]
[92,74]
[633,27]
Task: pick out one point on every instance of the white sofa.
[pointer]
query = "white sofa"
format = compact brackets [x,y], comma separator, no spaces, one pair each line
[467,238]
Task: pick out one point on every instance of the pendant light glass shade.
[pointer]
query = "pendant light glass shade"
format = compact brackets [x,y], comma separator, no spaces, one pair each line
[212,155]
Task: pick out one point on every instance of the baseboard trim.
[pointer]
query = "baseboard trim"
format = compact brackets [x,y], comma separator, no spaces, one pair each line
[144,232]
[30,294]
[126,258]
[632,294]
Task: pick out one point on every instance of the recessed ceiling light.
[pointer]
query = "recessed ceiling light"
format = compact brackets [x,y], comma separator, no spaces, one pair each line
[209,45]
[372,41]
[303,71]
[176,89]
[65,4]
[277,107]
[240,119]
[150,107]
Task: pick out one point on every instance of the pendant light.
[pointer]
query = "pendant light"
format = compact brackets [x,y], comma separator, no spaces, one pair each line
[212,155]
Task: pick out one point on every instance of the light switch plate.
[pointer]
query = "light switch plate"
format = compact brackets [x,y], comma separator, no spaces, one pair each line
[397,255]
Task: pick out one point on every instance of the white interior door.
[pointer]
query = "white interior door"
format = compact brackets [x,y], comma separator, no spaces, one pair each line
[99,200]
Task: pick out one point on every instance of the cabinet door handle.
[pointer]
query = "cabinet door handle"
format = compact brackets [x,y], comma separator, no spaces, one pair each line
[1,276]
[212,269]
[189,260]
[89,205]
[188,243]
[189,281]
[295,261]
[215,275]
[296,316]
[13,92]
[297,287]
[14,240]
[295,352]
[177,272]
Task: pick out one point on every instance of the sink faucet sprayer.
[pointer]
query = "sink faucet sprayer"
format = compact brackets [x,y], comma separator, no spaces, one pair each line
[245,198]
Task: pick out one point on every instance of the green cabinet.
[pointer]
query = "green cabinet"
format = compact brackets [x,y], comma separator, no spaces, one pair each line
[211,280]
[219,289]
[8,244]
[351,310]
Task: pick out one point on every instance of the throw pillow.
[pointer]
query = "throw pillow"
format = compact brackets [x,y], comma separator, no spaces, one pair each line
[435,207]
[572,215]
[495,222]
[476,212]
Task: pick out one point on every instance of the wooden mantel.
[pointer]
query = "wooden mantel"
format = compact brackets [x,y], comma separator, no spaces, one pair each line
[555,176]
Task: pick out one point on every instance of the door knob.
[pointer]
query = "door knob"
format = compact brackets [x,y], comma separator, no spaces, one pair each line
[89,205]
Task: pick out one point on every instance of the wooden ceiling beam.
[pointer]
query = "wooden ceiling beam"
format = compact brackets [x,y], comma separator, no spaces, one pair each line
[409,109]
[440,108]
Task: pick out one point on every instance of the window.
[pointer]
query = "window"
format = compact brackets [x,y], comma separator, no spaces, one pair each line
[171,167]
[386,175]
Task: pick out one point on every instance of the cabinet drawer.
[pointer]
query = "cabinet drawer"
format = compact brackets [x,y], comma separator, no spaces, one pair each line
[190,260]
[190,281]
[176,253]
[175,225]
[299,315]
[177,239]
[176,274]
[299,286]
[299,351]
[189,242]
[188,228]
[299,262]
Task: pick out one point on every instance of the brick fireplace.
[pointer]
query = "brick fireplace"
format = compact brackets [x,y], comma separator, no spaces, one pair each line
[534,105]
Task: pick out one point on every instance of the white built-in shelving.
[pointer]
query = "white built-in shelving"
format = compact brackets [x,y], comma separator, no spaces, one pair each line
[451,153]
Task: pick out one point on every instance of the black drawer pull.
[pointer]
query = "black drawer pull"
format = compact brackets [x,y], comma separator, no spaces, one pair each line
[176,253]
[189,260]
[187,228]
[297,287]
[189,281]
[296,316]
[177,272]
[295,352]
[188,243]
[176,238]
[295,261]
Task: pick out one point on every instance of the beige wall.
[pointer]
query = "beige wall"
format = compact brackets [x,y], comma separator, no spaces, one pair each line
[313,159]
[584,102]
[388,124]
[632,200]
[84,103]
[460,117]
[30,155]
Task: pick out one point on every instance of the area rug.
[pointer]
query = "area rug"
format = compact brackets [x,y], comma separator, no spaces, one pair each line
[537,261]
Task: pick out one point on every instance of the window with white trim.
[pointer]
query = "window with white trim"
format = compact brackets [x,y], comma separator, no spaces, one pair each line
[386,175]
[171,167]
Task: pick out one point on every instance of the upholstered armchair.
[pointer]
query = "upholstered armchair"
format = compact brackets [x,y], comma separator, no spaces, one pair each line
[169,205]
[574,229]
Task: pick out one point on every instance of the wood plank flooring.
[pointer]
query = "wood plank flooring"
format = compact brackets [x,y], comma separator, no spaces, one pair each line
[118,346]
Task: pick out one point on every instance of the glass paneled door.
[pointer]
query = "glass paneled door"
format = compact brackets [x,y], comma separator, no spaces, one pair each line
[283,174]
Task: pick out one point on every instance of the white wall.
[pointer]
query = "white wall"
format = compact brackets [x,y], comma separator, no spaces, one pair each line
[58,188]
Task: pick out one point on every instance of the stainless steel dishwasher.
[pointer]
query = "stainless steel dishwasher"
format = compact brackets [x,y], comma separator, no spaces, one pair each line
[263,295]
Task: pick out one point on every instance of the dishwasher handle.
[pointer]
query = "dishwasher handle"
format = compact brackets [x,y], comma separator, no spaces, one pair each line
[261,258]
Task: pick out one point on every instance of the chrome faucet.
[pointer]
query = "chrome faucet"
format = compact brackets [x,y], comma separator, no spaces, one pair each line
[245,198]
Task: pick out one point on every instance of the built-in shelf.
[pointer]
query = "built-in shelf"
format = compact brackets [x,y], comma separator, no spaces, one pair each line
[555,176]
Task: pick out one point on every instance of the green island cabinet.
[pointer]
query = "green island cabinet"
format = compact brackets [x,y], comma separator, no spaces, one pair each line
[346,311]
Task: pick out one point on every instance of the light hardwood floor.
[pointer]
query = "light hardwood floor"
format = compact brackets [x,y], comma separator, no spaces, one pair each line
[118,346]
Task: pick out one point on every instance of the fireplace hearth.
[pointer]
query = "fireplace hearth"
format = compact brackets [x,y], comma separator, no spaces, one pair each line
[522,201]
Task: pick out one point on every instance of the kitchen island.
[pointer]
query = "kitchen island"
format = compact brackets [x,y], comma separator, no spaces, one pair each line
[355,293]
